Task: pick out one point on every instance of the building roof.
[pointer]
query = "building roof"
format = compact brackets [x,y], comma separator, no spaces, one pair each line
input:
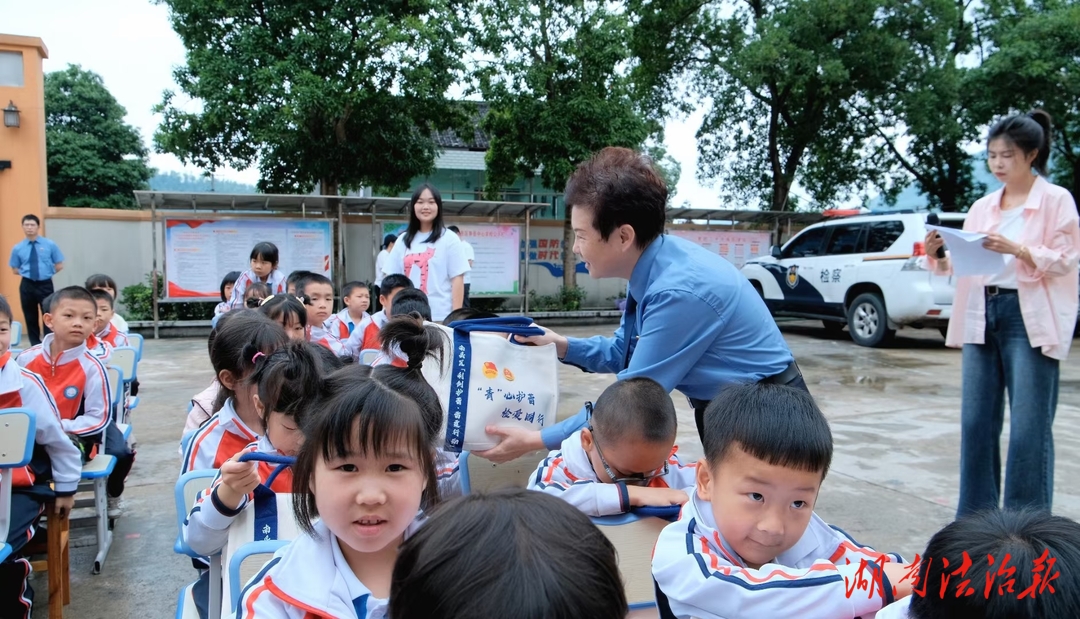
[449,139]
[739,217]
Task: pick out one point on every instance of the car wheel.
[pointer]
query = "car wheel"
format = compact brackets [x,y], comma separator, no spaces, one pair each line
[833,327]
[867,321]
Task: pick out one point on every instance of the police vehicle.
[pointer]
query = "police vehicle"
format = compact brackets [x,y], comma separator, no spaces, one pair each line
[857,270]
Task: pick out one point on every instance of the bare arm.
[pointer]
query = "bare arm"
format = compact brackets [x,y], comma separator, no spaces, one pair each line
[457,294]
[59,266]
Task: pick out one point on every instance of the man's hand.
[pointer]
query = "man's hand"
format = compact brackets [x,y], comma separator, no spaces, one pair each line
[549,337]
[515,442]
[63,505]
[238,479]
[641,496]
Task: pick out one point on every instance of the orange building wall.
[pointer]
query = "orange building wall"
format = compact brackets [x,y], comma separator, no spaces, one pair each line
[23,186]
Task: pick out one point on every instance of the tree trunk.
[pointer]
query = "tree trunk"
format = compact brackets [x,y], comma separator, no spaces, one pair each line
[569,259]
[329,187]
[1076,180]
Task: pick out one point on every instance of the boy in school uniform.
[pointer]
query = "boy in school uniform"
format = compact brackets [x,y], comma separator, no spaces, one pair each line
[638,464]
[353,326]
[316,292]
[748,542]
[78,383]
[55,459]
[108,333]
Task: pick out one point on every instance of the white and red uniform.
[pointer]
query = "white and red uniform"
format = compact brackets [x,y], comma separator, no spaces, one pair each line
[703,577]
[276,281]
[217,440]
[568,474]
[353,336]
[113,336]
[99,348]
[77,382]
[324,337]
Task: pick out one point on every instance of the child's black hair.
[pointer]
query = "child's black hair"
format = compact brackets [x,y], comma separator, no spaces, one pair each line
[287,380]
[265,251]
[1029,132]
[311,279]
[238,339]
[100,280]
[552,562]
[230,278]
[366,416]
[258,291]
[410,300]
[350,287]
[388,239]
[70,293]
[394,281]
[102,295]
[437,226]
[281,307]
[5,310]
[467,313]
[46,304]
[778,424]
[328,361]
[294,277]
[418,342]
[1022,537]
[637,408]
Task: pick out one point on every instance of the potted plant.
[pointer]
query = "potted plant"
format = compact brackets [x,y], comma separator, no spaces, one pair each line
[620,300]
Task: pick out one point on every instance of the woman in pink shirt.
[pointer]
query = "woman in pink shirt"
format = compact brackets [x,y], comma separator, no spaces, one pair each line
[1015,327]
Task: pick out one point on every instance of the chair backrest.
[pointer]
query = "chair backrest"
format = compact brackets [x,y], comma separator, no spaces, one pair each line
[480,475]
[17,427]
[125,358]
[242,532]
[116,388]
[16,333]
[634,538]
[369,355]
[246,563]
[136,341]
[185,492]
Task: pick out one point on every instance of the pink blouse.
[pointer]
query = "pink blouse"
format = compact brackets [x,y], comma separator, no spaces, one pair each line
[1048,292]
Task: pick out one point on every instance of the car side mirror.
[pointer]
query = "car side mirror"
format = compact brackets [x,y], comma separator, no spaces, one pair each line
[775,252]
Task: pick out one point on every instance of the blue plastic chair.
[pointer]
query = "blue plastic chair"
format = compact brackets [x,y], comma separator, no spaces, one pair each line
[136,341]
[17,428]
[247,563]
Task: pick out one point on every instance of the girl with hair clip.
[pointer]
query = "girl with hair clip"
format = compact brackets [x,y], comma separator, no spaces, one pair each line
[428,255]
[227,284]
[1015,327]
[289,312]
[263,270]
[362,474]
[286,386]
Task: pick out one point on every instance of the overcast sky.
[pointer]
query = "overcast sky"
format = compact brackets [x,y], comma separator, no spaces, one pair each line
[132,46]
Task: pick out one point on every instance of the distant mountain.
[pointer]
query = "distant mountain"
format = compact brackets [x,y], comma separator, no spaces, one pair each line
[912,198]
[174,181]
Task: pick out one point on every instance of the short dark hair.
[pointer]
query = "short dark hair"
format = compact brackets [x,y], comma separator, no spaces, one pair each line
[510,553]
[454,229]
[1028,132]
[328,361]
[373,416]
[312,279]
[296,276]
[101,280]
[101,295]
[282,306]
[71,293]
[230,278]
[287,381]
[413,228]
[388,239]
[265,251]
[418,342]
[5,310]
[256,290]
[409,301]
[46,304]
[350,287]
[241,333]
[1021,537]
[778,424]
[636,407]
[30,217]
[467,313]
[393,282]
[620,186]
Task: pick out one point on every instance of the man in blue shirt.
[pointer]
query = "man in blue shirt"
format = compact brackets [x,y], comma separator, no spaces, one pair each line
[36,259]
[692,321]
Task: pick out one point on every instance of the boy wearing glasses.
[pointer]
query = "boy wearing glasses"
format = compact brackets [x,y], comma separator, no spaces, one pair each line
[626,456]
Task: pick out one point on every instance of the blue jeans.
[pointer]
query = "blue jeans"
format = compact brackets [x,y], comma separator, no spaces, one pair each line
[1006,363]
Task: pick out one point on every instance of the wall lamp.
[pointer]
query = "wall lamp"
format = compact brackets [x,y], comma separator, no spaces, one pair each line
[11,115]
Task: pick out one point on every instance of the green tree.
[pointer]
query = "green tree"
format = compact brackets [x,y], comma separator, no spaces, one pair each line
[1034,61]
[553,72]
[94,158]
[340,92]
[777,77]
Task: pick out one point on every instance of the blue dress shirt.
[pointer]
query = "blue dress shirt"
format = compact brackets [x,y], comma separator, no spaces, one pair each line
[698,325]
[49,255]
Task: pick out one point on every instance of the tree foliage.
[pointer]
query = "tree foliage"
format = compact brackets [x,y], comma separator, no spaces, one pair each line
[341,92]
[93,157]
[554,75]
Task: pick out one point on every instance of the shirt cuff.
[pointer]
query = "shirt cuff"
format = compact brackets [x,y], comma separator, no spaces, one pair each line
[221,516]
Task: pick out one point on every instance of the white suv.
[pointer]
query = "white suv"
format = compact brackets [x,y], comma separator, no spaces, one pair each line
[862,271]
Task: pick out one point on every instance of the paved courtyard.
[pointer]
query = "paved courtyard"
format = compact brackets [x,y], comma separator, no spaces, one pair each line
[893,481]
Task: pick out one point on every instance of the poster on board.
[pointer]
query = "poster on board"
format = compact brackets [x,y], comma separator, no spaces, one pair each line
[497,265]
[737,246]
[199,252]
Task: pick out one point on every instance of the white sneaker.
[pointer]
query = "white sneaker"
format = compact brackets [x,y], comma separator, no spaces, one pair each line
[116,508]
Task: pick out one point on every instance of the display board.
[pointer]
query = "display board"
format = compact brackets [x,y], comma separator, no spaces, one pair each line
[737,246]
[497,263]
[200,252]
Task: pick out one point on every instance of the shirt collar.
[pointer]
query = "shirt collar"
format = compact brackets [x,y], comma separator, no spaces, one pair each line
[639,278]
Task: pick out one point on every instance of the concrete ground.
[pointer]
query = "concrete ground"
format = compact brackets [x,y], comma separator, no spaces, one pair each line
[893,481]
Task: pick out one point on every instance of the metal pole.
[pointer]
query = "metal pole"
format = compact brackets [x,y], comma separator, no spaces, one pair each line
[525,266]
[340,276]
[154,272]
[376,244]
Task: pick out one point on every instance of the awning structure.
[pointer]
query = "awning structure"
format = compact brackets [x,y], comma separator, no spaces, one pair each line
[741,217]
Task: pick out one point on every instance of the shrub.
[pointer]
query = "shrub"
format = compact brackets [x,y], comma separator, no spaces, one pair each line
[138,302]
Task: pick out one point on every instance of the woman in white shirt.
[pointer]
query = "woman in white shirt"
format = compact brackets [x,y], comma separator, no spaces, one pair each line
[384,255]
[431,258]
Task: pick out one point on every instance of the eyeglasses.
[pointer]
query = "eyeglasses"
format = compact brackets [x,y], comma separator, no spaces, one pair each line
[636,479]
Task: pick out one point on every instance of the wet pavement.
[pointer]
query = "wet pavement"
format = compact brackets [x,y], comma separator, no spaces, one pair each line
[893,482]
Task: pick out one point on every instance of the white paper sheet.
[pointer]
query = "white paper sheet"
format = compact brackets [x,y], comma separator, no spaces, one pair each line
[967,254]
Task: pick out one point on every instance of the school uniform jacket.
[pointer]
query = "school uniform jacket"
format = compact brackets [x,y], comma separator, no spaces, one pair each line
[113,336]
[309,579]
[361,336]
[99,348]
[324,337]
[276,281]
[206,529]
[21,388]
[77,382]
[447,474]
[217,440]
[568,474]
[703,577]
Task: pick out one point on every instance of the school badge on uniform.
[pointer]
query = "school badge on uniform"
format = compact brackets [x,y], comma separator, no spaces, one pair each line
[793,276]
[71,392]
